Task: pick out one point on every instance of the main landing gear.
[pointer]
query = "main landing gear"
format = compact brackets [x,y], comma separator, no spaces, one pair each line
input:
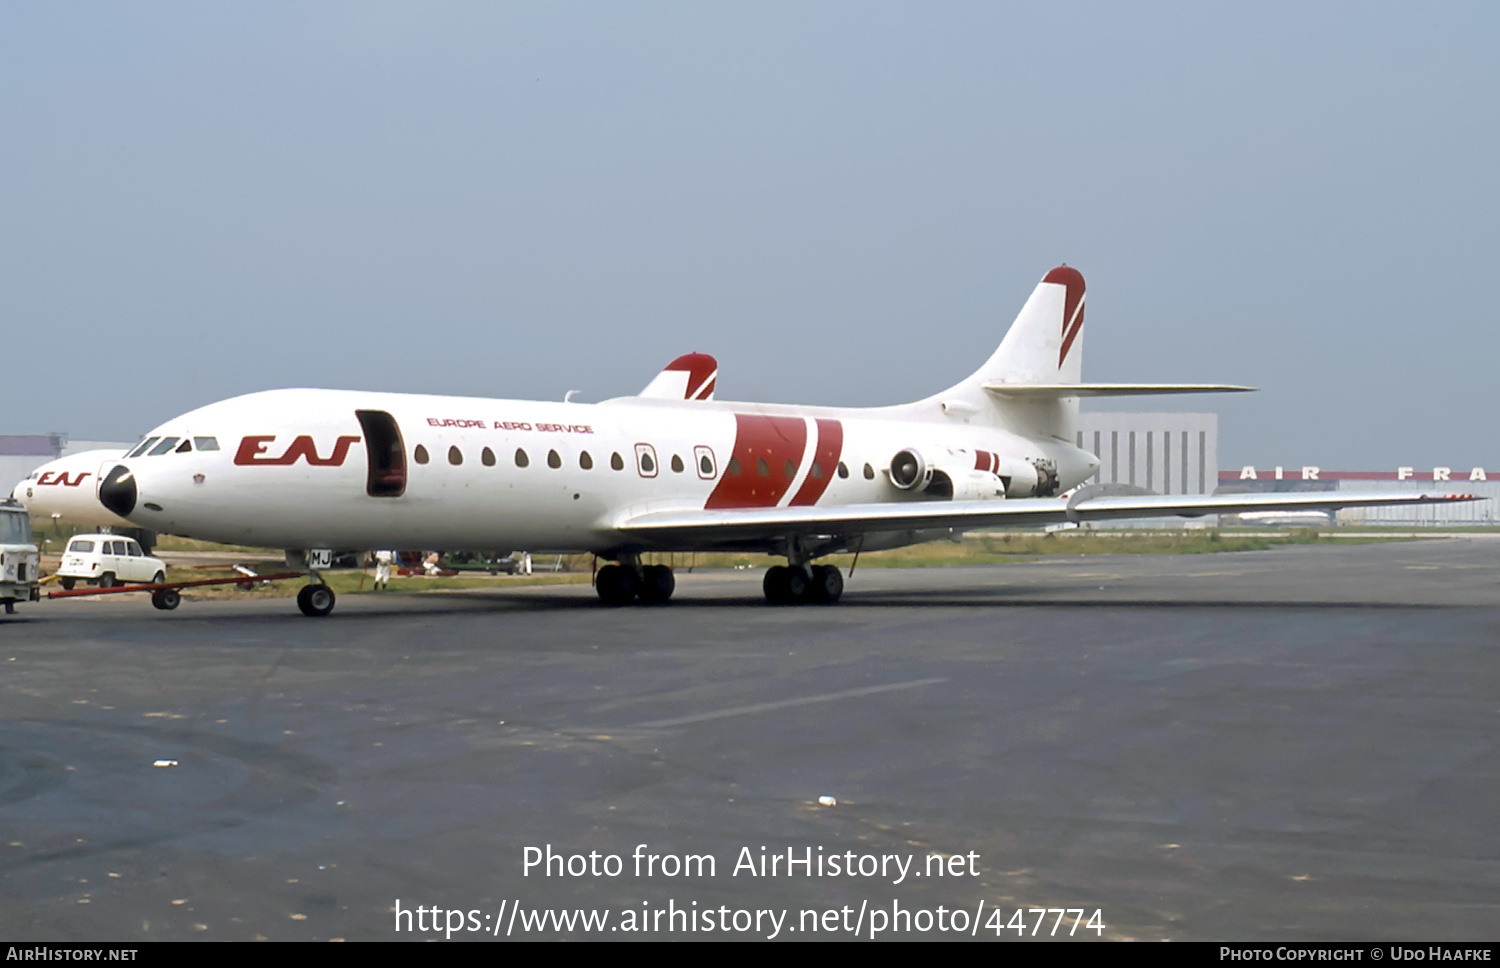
[799,581]
[803,585]
[796,583]
[629,580]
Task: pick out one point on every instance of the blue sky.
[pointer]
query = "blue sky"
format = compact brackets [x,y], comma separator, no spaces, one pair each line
[845,203]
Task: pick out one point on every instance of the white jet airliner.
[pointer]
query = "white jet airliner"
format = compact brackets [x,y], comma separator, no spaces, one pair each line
[66,491]
[669,470]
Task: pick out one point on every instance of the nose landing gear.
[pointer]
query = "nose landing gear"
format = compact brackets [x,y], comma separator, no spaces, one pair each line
[315,600]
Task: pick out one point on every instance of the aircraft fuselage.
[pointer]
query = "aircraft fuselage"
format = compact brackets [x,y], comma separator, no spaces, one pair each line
[345,469]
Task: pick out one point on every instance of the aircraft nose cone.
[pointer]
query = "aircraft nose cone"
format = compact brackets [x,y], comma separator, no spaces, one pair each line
[117,491]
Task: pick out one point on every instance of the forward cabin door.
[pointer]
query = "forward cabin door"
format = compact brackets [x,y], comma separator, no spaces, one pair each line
[385,452]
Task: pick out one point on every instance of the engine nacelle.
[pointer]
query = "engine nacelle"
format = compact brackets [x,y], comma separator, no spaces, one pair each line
[957,475]
[1029,478]
[910,471]
[977,486]
[964,475]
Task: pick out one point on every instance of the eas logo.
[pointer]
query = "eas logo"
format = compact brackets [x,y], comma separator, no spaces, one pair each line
[61,477]
[253,451]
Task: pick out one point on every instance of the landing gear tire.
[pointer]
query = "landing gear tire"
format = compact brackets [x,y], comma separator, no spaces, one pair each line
[315,600]
[827,585]
[774,584]
[66,583]
[617,585]
[658,585]
[10,606]
[166,599]
[107,580]
[785,586]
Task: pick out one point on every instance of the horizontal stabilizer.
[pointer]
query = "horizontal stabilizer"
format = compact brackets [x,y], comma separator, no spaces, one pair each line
[1052,391]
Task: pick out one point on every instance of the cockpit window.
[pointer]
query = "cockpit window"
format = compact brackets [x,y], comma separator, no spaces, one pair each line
[142,448]
[167,444]
[186,447]
[206,443]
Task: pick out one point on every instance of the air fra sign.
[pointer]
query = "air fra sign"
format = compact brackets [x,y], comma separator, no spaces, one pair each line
[260,450]
[1312,473]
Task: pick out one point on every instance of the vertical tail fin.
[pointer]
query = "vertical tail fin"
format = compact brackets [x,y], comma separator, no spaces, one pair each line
[1043,345]
[691,376]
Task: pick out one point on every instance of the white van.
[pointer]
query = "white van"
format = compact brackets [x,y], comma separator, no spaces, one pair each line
[108,560]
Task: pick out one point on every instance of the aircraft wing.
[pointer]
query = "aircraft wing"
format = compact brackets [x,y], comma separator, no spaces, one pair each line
[691,527]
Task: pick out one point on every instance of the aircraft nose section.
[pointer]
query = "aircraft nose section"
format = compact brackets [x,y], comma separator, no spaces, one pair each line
[117,491]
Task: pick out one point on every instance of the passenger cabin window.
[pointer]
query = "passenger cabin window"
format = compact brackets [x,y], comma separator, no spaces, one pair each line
[616,461]
[791,470]
[487,457]
[645,460]
[455,456]
[705,456]
[762,469]
[843,470]
[585,461]
[420,454]
[521,459]
[869,473]
[385,454]
[734,467]
[554,459]
[677,465]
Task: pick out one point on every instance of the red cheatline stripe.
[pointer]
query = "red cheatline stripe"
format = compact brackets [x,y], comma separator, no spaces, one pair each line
[774,440]
[827,451]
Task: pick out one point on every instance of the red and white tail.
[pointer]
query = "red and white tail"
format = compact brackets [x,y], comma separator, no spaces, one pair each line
[1045,343]
[1043,346]
[1033,382]
[689,377]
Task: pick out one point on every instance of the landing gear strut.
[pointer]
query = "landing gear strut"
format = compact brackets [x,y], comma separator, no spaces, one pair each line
[623,583]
